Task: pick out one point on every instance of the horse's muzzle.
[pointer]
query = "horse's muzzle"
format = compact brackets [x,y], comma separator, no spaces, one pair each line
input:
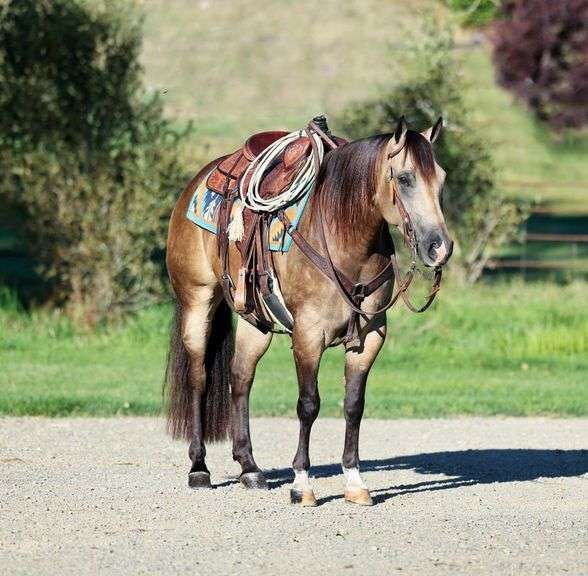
[436,250]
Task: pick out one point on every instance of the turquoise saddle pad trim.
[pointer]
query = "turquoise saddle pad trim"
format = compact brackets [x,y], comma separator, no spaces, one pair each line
[205,203]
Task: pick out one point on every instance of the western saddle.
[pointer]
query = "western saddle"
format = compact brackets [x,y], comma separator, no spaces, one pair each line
[226,177]
[256,295]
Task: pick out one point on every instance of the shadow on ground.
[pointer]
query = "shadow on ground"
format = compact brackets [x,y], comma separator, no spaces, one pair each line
[462,468]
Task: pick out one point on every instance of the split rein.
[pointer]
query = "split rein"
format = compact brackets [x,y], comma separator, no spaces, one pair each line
[354,293]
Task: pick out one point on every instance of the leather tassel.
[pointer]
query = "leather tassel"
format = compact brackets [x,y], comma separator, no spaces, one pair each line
[236,227]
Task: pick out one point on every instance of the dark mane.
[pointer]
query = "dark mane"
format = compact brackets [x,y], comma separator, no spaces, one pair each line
[349,176]
[347,181]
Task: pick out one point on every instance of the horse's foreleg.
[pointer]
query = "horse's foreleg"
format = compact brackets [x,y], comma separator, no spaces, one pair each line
[250,346]
[357,367]
[308,349]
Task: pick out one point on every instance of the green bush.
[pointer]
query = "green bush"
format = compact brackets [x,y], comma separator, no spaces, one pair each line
[480,218]
[85,153]
[475,12]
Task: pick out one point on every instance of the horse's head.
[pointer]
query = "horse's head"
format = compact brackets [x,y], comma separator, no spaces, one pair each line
[410,193]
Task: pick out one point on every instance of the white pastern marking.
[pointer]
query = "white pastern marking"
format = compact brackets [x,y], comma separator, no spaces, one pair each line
[353,478]
[301,480]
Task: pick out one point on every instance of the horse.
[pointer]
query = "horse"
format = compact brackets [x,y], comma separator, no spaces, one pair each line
[362,188]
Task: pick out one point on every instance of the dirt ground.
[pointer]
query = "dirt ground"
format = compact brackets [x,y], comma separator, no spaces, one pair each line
[459,496]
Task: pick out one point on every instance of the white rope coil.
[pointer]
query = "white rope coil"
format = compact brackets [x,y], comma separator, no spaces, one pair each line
[251,197]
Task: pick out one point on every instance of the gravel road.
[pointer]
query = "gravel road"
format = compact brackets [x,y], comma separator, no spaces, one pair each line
[461,496]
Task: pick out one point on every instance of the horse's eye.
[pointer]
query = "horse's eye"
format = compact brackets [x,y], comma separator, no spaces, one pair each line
[403,180]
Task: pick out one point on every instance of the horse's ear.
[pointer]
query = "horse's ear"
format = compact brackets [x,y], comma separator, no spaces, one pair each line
[433,132]
[400,132]
[396,143]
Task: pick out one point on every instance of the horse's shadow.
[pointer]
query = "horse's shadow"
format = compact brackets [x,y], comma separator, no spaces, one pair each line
[459,468]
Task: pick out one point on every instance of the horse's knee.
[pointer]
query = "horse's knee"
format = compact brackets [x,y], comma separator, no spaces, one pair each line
[353,408]
[354,399]
[354,412]
[308,407]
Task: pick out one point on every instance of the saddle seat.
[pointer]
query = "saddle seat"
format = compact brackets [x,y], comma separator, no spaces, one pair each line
[225,178]
[257,143]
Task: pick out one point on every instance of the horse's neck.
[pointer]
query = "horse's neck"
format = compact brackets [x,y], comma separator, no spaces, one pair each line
[350,255]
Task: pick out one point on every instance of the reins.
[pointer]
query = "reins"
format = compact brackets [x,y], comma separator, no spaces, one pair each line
[253,296]
[353,293]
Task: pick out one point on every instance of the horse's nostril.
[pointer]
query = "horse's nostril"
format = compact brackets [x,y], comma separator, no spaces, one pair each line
[434,246]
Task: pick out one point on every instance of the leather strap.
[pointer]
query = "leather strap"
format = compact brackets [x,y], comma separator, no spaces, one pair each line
[353,293]
[254,252]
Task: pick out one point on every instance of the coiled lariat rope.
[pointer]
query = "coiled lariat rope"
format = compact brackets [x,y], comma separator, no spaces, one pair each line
[250,195]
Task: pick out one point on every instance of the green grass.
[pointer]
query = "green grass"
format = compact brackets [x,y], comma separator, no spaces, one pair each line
[241,66]
[497,349]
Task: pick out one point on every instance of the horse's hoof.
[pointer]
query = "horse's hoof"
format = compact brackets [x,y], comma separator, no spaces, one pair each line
[254,480]
[359,496]
[302,497]
[199,480]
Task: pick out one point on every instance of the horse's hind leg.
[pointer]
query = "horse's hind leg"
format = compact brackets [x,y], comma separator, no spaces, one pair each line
[357,367]
[202,322]
[308,348]
[195,334]
[250,346]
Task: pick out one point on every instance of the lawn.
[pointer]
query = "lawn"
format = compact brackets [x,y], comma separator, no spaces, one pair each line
[510,348]
[241,66]
[499,348]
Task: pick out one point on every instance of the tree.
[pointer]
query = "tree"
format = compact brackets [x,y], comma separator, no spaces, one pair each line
[480,217]
[475,12]
[541,54]
[85,153]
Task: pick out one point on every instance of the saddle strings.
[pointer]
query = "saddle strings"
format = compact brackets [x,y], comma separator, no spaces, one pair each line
[250,195]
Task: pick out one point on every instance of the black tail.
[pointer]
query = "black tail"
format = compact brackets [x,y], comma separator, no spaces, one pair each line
[215,407]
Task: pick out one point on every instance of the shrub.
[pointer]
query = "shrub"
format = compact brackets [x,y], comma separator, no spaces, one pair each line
[540,51]
[475,12]
[481,219]
[85,154]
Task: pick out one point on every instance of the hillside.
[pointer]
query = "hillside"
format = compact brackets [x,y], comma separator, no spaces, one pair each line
[238,67]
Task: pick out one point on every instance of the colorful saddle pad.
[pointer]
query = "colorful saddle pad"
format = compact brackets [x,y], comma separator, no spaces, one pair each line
[205,204]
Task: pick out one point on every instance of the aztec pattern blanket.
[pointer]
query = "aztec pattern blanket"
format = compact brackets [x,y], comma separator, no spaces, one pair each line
[204,206]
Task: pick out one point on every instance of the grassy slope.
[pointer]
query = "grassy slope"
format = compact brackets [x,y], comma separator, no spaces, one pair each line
[531,162]
[239,67]
[521,352]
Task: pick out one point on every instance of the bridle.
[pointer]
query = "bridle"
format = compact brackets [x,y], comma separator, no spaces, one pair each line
[354,293]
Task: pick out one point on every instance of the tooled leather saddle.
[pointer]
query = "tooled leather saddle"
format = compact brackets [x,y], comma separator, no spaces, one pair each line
[255,294]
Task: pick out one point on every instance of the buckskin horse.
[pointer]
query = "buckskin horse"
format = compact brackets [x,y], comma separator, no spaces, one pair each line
[335,283]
